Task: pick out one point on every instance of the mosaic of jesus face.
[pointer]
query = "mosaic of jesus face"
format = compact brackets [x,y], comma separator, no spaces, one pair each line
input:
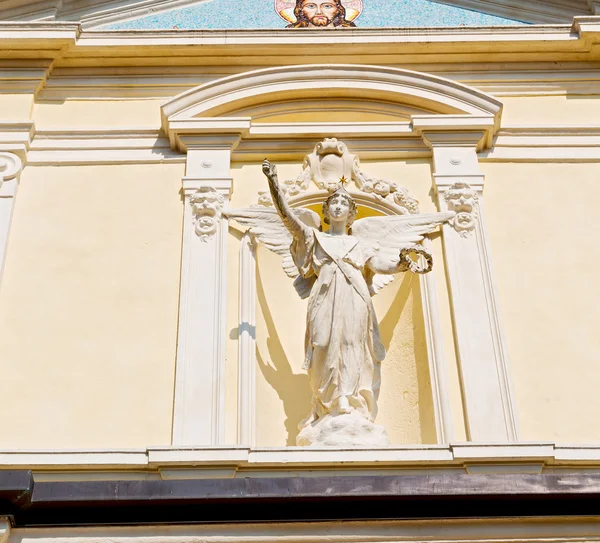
[320,13]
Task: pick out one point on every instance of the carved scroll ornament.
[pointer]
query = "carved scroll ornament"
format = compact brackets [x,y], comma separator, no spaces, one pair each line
[10,166]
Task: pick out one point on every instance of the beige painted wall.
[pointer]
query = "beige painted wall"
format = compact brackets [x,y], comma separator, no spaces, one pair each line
[16,107]
[550,111]
[544,231]
[88,307]
[98,114]
[283,393]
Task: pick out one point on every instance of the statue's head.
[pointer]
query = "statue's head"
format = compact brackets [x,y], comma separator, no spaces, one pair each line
[320,13]
[340,206]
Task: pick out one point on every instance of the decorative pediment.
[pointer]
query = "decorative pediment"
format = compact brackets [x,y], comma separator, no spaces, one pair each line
[214,108]
[227,96]
[364,14]
[155,14]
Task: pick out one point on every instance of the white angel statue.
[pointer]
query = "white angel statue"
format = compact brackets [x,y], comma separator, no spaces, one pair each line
[339,270]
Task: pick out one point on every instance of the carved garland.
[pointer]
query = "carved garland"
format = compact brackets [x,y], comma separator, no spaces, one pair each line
[331,160]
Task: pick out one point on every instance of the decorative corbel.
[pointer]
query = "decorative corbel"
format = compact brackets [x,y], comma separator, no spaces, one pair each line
[463,200]
[207,207]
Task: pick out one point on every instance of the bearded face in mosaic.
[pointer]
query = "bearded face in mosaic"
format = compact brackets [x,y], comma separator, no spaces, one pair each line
[320,14]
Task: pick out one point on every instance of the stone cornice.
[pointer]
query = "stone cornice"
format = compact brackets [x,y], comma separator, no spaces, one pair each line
[539,12]
[68,45]
[37,40]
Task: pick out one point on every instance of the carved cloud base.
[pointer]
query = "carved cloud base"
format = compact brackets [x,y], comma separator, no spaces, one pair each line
[350,430]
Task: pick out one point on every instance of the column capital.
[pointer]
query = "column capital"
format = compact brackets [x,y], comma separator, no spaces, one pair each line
[222,185]
[16,137]
[10,166]
[207,133]
[476,131]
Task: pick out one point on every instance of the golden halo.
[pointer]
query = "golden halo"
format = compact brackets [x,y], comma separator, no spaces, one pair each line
[285,9]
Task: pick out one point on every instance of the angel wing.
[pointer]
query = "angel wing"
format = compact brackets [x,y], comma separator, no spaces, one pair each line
[394,235]
[266,225]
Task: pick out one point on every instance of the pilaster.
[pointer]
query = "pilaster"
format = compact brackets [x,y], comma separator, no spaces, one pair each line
[10,170]
[482,353]
[199,411]
[15,140]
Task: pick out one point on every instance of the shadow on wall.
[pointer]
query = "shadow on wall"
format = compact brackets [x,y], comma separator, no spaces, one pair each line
[403,335]
[293,389]
[406,408]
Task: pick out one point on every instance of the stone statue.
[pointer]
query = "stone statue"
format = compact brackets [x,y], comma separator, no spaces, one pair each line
[339,270]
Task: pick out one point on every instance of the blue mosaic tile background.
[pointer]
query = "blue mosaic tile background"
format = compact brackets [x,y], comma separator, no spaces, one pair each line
[232,14]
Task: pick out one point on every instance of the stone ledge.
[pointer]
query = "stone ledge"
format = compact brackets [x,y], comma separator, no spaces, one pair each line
[506,458]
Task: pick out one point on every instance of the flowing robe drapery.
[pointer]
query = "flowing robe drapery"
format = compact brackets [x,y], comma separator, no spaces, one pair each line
[343,346]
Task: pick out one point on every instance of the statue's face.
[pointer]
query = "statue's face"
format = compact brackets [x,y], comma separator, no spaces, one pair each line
[339,209]
[320,12]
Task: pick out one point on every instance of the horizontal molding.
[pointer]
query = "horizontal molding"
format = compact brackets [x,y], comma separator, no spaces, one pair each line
[25,76]
[522,530]
[500,457]
[123,146]
[81,147]
[549,144]
[514,79]
[55,35]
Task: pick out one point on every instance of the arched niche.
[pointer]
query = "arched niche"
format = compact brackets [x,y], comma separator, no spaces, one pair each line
[221,122]
[274,392]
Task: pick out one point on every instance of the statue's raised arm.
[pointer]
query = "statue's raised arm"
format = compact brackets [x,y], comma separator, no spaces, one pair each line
[280,228]
[292,223]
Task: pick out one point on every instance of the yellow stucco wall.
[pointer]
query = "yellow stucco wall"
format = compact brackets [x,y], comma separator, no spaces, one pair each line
[543,228]
[89,297]
[88,307]
[16,107]
[550,111]
[98,114]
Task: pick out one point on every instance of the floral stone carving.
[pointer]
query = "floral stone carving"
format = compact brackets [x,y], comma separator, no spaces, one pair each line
[207,207]
[329,163]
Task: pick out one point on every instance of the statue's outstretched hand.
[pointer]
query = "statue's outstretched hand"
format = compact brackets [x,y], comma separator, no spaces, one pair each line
[270,171]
